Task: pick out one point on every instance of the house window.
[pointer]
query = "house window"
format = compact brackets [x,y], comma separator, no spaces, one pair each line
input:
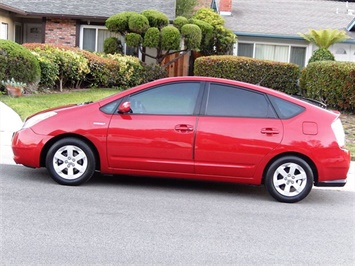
[272,52]
[4,31]
[298,56]
[92,37]
[280,53]
[246,49]
[340,51]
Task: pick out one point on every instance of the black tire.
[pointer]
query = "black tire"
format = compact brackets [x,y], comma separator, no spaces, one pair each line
[289,179]
[70,161]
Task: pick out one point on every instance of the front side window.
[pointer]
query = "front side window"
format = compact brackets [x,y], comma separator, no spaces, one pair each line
[232,101]
[170,99]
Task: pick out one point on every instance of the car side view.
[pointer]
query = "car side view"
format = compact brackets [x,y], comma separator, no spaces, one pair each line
[195,128]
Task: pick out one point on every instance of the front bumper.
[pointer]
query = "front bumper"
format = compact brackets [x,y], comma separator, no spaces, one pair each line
[27,147]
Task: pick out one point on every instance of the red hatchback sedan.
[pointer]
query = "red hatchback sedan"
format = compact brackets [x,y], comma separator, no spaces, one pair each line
[191,127]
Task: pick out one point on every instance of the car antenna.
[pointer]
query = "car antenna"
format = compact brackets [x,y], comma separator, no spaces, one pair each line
[259,83]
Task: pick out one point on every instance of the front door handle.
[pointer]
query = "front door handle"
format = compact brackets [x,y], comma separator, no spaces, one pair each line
[184,128]
[269,131]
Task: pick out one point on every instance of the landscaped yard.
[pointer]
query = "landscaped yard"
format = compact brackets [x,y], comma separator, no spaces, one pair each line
[30,104]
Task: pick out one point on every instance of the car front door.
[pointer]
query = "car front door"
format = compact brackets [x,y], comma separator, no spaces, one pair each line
[158,134]
[238,128]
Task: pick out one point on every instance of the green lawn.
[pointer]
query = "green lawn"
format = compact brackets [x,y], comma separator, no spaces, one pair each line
[30,104]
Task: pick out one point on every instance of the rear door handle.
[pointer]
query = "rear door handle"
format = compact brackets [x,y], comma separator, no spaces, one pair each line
[269,131]
[184,128]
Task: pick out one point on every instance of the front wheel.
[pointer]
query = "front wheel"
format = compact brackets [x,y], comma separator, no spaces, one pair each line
[289,179]
[70,161]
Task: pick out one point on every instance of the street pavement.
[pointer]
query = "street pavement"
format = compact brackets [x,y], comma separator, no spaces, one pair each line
[10,122]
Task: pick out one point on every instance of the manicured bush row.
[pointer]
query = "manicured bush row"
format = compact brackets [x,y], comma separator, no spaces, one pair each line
[275,75]
[330,82]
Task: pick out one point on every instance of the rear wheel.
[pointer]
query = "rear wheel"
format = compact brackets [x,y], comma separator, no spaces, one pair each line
[70,161]
[289,179]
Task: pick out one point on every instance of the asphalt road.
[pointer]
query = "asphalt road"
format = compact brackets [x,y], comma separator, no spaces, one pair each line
[125,221]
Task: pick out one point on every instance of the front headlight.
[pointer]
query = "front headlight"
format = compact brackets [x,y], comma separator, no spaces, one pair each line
[38,118]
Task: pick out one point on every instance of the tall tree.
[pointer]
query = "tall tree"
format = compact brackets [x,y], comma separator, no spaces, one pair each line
[151,29]
[222,39]
[185,8]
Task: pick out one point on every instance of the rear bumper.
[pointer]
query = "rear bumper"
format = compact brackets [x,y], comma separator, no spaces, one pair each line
[332,183]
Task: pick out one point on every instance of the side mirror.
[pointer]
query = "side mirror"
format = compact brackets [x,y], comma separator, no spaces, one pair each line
[124,108]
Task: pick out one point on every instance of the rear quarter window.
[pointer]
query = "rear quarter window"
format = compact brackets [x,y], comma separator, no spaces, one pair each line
[285,109]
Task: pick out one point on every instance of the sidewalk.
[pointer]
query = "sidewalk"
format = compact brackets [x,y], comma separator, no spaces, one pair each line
[11,122]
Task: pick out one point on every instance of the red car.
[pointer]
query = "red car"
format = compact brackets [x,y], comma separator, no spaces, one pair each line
[195,128]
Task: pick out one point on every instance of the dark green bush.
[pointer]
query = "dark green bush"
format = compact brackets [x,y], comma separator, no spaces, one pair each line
[170,38]
[321,54]
[192,34]
[156,18]
[19,63]
[330,82]
[113,45]
[180,21]
[275,75]
[153,72]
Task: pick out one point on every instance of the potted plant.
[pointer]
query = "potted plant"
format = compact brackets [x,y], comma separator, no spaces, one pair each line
[13,87]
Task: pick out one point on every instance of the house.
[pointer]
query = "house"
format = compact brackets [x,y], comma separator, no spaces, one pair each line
[73,23]
[269,29]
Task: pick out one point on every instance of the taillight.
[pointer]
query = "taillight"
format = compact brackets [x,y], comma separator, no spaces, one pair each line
[338,130]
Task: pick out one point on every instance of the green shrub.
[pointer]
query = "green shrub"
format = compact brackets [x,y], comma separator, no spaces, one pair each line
[102,70]
[330,82]
[130,72]
[321,54]
[170,38]
[113,45]
[156,18]
[192,34]
[275,75]
[19,63]
[153,72]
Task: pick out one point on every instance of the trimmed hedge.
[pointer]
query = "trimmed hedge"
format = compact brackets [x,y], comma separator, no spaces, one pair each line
[100,70]
[275,75]
[18,63]
[330,82]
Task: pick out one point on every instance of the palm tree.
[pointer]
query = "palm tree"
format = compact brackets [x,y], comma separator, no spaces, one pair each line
[323,39]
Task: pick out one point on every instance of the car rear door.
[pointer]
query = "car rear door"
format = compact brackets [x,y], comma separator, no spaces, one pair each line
[237,129]
[158,134]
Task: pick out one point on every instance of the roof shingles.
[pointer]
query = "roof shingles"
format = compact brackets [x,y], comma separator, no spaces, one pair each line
[287,17]
[90,8]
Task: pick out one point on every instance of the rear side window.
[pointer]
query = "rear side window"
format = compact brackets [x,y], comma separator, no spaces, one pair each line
[286,109]
[224,100]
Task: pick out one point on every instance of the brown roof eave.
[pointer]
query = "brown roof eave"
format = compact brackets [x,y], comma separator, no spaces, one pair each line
[50,15]
[13,9]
